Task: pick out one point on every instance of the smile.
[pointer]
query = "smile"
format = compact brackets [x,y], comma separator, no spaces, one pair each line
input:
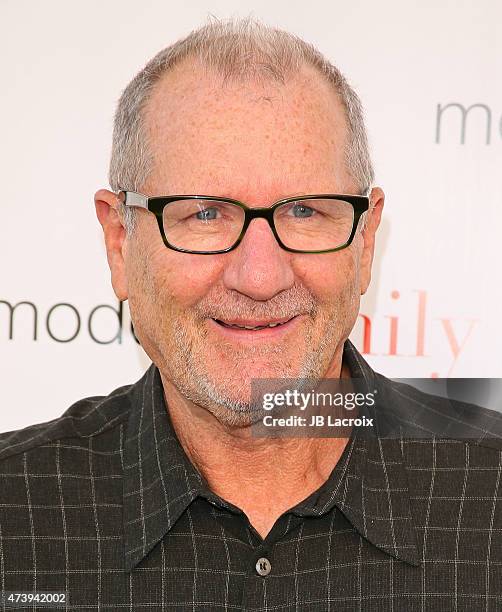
[254,329]
[253,325]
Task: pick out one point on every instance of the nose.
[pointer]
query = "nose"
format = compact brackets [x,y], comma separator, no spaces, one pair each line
[259,267]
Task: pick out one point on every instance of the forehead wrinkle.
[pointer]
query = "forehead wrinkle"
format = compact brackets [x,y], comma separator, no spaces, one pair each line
[175,105]
[273,190]
[175,131]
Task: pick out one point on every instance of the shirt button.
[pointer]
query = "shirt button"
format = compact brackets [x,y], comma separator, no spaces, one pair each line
[263,566]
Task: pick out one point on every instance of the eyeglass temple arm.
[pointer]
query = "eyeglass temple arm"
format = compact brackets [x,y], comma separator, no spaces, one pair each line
[131,198]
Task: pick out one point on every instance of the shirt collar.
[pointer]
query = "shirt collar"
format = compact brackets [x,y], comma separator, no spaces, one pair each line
[369,484]
[160,482]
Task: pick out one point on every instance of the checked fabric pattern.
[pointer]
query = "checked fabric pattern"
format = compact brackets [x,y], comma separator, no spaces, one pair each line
[104,504]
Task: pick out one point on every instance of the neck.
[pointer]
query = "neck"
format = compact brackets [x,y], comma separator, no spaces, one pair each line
[252,472]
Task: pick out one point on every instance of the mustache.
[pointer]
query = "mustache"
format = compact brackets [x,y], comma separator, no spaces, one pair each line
[225,304]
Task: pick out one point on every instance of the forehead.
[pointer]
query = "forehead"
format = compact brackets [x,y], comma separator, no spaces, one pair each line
[233,137]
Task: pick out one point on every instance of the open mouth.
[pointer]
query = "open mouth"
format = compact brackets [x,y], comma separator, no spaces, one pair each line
[253,327]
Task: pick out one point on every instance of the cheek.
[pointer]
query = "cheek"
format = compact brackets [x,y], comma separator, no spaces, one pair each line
[329,275]
[182,278]
[161,278]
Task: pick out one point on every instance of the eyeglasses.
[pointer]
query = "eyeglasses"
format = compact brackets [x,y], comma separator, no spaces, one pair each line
[208,225]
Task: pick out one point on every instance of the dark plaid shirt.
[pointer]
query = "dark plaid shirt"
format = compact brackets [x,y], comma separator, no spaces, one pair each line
[103,504]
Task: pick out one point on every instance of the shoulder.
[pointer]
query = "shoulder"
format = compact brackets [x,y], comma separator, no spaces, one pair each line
[435,412]
[87,418]
[55,475]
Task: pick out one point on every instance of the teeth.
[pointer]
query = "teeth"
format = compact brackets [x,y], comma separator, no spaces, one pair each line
[255,327]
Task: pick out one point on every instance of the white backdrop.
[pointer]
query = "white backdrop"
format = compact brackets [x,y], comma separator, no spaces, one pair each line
[435,299]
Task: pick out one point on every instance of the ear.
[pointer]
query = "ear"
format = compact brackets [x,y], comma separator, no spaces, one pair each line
[374,215]
[106,203]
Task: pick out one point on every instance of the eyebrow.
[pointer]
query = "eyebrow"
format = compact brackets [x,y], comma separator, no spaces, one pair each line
[262,186]
[229,195]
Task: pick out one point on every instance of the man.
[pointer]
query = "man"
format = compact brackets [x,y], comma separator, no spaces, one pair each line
[159,496]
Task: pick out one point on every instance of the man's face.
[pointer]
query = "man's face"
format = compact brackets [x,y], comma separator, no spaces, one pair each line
[256,143]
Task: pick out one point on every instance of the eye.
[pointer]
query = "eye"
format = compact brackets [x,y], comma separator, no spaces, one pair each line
[302,211]
[208,214]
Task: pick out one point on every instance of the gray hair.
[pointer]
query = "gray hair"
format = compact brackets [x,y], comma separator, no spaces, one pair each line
[239,49]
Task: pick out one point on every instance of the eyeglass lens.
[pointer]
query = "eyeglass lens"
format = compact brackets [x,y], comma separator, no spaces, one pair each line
[212,225]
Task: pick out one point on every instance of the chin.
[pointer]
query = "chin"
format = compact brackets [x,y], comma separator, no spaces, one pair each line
[249,369]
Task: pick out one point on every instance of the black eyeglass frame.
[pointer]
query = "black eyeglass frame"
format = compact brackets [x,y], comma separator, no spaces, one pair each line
[156,205]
